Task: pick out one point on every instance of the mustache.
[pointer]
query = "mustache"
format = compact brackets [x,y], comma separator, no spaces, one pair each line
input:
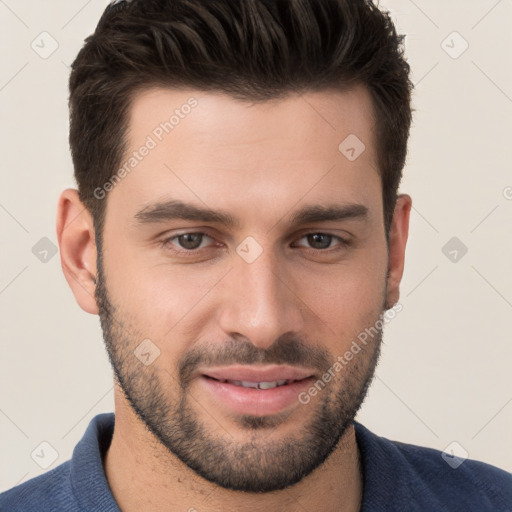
[286,350]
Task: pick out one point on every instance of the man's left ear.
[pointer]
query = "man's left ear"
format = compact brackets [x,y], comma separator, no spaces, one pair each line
[398,233]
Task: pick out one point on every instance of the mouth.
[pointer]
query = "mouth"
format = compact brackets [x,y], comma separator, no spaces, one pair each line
[258,384]
[255,391]
[279,374]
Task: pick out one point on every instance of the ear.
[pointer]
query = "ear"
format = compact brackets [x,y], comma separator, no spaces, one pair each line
[75,233]
[398,233]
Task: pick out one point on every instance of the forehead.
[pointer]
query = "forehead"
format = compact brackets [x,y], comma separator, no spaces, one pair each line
[210,147]
[219,118]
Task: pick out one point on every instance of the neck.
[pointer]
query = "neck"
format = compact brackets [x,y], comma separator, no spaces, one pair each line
[144,476]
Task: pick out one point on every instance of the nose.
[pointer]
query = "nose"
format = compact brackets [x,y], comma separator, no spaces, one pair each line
[258,301]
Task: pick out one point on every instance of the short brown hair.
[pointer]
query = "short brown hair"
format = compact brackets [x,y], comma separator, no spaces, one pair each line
[253,50]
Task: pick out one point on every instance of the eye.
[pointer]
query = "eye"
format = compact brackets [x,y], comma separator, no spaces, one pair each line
[187,241]
[322,241]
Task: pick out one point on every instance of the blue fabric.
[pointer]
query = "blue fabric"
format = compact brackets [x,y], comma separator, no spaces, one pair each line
[397,477]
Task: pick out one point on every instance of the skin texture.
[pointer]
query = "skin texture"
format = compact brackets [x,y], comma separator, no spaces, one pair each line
[297,303]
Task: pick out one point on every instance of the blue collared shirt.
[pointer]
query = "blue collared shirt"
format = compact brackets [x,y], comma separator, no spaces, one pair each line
[397,477]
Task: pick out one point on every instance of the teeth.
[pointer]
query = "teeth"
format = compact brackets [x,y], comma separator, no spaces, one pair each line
[246,383]
[258,385]
[267,385]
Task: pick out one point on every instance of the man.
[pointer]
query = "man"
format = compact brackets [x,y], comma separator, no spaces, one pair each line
[237,228]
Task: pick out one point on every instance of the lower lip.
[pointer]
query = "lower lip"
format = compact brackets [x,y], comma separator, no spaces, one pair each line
[256,402]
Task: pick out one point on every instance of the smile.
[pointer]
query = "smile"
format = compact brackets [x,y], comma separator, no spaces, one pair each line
[258,385]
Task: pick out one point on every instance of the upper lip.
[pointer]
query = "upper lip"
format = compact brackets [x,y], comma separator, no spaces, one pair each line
[258,374]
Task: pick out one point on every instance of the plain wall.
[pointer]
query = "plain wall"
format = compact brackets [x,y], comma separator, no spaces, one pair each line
[444,374]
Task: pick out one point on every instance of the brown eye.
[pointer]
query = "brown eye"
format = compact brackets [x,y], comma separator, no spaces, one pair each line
[190,240]
[187,242]
[322,242]
[319,240]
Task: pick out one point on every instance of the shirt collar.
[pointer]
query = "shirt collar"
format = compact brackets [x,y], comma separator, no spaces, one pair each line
[87,474]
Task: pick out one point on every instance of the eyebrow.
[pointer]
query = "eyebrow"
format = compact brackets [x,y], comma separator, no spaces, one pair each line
[321,213]
[175,209]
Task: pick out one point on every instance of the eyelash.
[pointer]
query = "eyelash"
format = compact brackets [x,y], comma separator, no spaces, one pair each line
[343,243]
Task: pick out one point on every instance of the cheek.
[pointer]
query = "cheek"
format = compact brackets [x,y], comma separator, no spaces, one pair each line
[177,303]
[349,298]
[163,300]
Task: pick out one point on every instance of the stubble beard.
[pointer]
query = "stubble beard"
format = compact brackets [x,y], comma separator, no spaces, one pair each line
[256,465]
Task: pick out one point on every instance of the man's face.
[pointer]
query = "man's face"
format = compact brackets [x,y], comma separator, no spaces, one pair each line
[271,296]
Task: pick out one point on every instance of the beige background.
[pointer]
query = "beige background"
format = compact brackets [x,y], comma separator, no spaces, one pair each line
[445,372]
